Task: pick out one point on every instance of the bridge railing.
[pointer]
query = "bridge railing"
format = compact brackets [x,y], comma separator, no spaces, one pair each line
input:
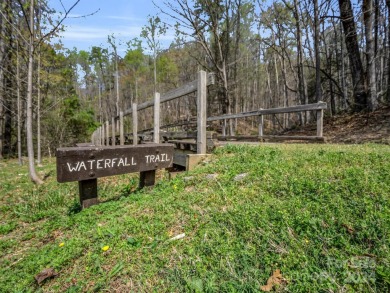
[318,107]
[102,135]
[108,131]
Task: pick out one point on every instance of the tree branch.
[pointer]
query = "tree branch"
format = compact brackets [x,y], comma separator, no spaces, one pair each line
[55,28]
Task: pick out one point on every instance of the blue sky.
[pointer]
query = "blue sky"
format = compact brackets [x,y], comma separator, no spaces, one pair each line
[123,18]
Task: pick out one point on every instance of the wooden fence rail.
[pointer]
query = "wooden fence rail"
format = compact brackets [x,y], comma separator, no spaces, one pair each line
[318,107]
[106,134]
[102,135]
[174,94]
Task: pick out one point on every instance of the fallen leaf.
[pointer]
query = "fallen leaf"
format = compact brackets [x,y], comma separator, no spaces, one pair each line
[349,229]
[45,274]
[275,279]
[240,177]
[177,237]
[211,176]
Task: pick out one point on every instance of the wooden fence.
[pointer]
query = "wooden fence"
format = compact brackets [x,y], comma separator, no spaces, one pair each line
[102,135]
[318,107]
[108,131]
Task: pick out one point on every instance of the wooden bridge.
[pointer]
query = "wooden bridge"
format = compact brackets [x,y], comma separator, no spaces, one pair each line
[190,147]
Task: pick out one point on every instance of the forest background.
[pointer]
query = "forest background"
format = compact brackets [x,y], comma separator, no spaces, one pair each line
[263,54]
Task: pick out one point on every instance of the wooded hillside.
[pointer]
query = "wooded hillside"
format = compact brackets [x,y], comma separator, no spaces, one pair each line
[264,55]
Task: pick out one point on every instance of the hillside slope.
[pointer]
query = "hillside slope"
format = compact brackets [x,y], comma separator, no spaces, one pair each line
[315,217]
[353,128]
[359,127]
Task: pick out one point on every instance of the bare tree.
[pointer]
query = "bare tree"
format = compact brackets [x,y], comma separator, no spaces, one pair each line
[317,51]
[216,27]
[33,43]
[388,40]
[111,40]
[19,105]
[352,45]
[29,118]
[151,33]
[2,45]
[368,16]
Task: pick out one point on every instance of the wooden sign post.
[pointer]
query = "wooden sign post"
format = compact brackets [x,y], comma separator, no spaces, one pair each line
[86,164]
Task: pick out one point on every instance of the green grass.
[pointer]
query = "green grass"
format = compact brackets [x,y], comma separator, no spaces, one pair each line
[319,213]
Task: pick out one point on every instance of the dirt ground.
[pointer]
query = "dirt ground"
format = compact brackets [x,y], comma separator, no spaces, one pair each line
[353,128]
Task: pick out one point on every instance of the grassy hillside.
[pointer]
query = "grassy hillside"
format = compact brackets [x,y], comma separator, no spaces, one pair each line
[319,214]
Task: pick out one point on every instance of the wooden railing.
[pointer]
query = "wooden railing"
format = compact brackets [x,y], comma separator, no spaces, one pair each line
[318,107]
[108,131]
[102,135]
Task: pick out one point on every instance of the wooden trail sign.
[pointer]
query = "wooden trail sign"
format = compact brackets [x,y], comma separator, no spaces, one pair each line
[86,164]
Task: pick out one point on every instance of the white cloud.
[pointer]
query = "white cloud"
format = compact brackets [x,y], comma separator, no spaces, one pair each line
[127,18]
[83,37]
[93,33]
[72,15]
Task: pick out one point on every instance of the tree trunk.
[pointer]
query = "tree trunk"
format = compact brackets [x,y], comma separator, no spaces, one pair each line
[268,86]
[19,106]
[368,16]
[317,51]
[2,92]
[377,49]
[117,86]
[301,91]
[39,155]
[7,137]
[29,119]
[8,80]
[343,76]
[351,41]
[388,40]
[329,57]
[276,92]
[285,88]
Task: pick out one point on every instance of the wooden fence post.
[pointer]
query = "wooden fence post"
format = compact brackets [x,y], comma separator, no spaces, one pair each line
[113,124]
[135,124]
[156,132]
[147,178]
[107,133]
[121,128]
[224,127]
[93,137]
[102,133]
[261,125]
[88,192]
[201,112]
[320,122]
[96,137]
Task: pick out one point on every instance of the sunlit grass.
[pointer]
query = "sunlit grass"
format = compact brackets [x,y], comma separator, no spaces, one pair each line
[319,213]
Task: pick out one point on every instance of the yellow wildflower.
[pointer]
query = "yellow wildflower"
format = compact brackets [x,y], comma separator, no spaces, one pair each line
[105,248]
[61,244]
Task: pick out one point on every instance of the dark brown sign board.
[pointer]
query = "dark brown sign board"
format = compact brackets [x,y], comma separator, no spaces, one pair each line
[83,163]
[86,164]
